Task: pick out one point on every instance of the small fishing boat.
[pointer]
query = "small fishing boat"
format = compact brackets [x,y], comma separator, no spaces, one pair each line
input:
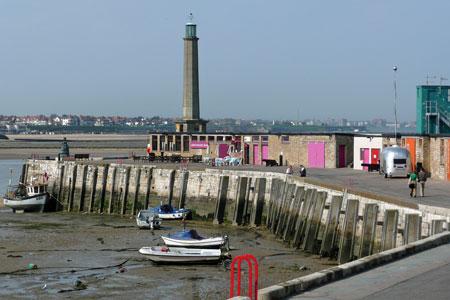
[27,197]
[148,219]
[166,211]
[164,254]
[191,239]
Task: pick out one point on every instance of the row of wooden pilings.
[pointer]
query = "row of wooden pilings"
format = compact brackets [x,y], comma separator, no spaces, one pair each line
[297,214]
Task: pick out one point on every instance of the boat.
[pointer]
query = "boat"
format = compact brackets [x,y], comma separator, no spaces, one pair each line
[190,238]
[148,219]
[164,254]
[166,211]
[27,197]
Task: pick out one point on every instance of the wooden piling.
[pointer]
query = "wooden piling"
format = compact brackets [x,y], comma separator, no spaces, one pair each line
[171,185]
[313,224]
[113,187]
[221,200]
[369,227]
[287,200]
[280,206]
[348,238]
[389,233]
[123,209]
[239,200]
[270,203]
[275,196]
[59,200]
[136,190]
[413,228]
[329,240]
[258,203]
[103,191]
[293,212]
[148,188]
[72,188]
[301,220]
[93,189]
[247,205]
[184,184]
[83,187]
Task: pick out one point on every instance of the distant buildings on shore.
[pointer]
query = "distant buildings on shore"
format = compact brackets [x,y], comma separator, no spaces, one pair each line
[55,123]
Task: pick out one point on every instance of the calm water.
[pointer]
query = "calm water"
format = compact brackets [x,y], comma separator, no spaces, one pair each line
[5,167]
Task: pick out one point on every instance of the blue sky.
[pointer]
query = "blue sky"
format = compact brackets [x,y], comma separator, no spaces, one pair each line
[257,59]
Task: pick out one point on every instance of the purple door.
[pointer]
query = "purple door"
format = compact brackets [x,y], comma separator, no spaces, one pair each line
[255,154]
[341,156]
[265,153]
[366,157]
[316,155]
[223,150]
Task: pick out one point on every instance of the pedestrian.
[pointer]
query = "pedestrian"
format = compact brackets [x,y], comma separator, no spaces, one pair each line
[290,170]
[412,184]
[422,179]
[302,171]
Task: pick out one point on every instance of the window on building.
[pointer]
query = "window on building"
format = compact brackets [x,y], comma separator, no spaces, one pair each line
[154,143]
[285,139]
[194,137]
[170,143]
[361,154]
[178,143]
[255,139]
[162,143]
[442,151]
[228,138]
[219,138]
[210,138]
[185,143]
[202,138]
[265,138]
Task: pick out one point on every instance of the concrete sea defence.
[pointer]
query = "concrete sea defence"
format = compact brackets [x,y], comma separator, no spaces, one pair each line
[328,220]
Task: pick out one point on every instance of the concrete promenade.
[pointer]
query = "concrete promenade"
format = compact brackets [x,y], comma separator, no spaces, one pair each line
[423,275]
[437,192]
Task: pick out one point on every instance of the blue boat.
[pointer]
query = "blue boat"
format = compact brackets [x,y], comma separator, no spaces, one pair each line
[166,211]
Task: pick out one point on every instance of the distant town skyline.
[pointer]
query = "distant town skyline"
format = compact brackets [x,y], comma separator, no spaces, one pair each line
[257,59]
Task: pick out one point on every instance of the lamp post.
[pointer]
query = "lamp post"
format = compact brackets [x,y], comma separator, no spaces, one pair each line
[395,102]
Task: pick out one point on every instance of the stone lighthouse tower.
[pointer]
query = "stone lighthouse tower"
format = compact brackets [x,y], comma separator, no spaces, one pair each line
[191,121]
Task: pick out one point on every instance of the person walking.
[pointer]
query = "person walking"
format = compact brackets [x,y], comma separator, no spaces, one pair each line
[290,170]
[412,184]
[302,171]
[422,179]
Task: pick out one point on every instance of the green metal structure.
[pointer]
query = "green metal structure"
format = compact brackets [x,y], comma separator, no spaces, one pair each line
[433,109]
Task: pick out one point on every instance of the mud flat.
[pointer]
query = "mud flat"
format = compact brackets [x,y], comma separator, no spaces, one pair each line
[79,256]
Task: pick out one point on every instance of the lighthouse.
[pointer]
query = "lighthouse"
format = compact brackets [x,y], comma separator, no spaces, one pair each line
[191,121]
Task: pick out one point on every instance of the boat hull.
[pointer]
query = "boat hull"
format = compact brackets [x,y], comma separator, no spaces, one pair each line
[181,255]
[216,242]
[32,203]
[171,216]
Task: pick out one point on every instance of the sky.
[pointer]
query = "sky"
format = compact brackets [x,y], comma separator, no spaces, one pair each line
[257,59]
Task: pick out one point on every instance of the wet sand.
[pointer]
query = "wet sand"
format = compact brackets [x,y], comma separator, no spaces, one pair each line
[92,249]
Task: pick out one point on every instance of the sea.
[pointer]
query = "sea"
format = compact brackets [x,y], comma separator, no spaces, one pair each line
[6,165]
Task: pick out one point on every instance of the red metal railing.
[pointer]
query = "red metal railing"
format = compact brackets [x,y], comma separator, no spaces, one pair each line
[246,257]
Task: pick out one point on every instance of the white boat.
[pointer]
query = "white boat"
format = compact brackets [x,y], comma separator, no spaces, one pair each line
[190,238]
[164,254]
[27,197]
[148,219]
